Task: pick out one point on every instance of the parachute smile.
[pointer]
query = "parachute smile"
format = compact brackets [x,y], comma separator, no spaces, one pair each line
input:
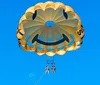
[65,38]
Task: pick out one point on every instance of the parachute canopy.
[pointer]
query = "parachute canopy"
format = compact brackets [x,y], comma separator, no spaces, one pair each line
[50,28]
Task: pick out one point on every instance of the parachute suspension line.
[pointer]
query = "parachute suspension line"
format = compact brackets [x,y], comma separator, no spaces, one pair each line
[40,78]
[53,60]
[50,61]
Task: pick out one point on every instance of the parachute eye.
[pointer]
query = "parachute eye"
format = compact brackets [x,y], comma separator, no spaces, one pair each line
[34,15]
[65,14]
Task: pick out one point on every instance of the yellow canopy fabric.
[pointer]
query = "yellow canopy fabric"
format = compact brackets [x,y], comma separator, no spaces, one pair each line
[64,32]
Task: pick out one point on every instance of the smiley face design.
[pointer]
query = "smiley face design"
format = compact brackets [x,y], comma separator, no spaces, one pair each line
[50,28]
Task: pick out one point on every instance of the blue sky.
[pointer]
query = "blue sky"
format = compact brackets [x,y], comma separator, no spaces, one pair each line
[80,67]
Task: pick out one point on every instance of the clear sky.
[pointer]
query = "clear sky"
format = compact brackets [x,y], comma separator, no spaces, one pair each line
[80,67]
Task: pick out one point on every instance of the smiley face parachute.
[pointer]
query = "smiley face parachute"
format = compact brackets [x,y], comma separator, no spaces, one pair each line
[50,28]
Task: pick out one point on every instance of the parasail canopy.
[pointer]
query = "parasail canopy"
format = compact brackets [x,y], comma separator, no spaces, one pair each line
[50,28]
